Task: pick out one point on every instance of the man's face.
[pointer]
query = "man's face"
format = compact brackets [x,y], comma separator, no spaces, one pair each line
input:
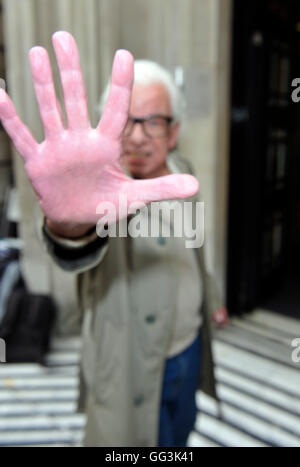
[145,156]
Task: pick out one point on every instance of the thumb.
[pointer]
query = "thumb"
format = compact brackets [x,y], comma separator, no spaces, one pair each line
[163,188]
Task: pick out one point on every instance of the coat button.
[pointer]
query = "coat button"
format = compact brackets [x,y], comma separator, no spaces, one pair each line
[161,240]
[150,319]
[138,400]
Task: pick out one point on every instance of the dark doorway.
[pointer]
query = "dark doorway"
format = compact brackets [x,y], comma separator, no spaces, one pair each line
[264,199]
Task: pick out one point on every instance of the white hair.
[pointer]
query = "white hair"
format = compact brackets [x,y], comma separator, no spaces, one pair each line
[149,72]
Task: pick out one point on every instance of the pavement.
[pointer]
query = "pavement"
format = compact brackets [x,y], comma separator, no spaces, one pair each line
[258,385]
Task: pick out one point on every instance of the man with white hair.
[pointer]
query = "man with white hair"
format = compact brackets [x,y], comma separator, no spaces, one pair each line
[146,301]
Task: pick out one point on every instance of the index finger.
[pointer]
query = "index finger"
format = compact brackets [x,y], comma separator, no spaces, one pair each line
[116,110]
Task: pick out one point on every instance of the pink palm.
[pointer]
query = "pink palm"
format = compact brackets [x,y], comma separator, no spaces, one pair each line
[76,168]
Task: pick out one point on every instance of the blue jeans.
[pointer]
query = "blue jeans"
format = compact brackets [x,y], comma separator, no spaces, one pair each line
[178,405]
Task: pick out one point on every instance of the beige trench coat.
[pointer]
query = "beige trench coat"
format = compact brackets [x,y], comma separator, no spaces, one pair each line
[126,291]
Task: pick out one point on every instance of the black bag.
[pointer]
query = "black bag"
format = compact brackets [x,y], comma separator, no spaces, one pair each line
[26,326]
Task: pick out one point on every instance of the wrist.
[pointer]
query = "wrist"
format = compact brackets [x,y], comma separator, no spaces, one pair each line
[71,231]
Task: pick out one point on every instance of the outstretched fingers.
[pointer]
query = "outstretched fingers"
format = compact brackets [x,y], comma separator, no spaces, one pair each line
[115,113]
[22,138]
[45,92]
[163,188]
[72,81]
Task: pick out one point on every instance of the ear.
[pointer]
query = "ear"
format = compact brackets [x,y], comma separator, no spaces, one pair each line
[173,135]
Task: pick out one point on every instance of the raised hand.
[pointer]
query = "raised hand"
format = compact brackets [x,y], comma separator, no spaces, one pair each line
[76,168]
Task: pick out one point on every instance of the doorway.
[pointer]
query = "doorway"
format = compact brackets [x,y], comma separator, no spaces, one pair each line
[264,194]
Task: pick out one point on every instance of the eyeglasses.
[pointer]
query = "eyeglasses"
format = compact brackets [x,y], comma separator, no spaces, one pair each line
[154,126]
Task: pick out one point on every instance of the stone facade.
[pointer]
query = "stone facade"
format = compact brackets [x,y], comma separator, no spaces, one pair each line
[193,35]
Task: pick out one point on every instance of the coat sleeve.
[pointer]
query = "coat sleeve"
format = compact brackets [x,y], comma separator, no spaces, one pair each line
[213,299]
[75,256]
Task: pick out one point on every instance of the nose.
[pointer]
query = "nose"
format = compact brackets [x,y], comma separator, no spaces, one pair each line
[137,134]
